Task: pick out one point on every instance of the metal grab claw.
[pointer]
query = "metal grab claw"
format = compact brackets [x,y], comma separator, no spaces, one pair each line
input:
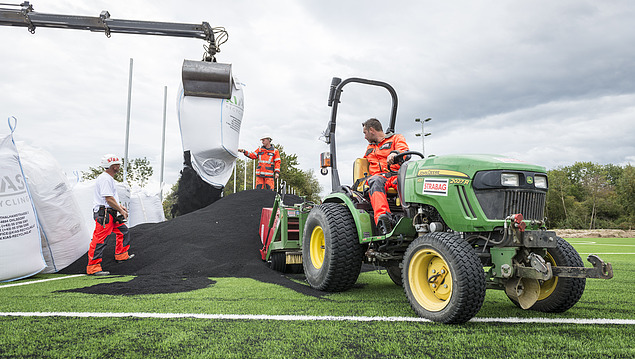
[604,270]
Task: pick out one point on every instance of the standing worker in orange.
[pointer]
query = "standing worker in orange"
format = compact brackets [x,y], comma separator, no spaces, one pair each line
[268,167]
[381,151]
[107,221]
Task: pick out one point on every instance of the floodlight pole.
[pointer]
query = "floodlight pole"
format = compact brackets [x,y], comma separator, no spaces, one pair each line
[165,105]
[423,134]
[125,156]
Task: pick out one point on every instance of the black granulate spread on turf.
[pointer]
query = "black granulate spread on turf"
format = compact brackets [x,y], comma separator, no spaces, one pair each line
[220,240]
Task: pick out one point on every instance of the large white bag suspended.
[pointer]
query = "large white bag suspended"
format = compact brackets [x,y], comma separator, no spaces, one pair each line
[210,129]
[20,250]
[65,236]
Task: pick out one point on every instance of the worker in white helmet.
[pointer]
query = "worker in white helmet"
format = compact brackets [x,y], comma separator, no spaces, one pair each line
[268,166]
[110,217]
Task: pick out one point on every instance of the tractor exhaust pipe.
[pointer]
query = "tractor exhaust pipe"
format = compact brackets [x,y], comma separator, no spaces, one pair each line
[207,79]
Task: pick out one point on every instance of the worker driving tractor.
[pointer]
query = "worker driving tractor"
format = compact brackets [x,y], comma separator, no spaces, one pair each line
[380,153]
[268,166]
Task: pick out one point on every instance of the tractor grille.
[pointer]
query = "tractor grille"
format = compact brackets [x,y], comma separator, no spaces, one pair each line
[498,204]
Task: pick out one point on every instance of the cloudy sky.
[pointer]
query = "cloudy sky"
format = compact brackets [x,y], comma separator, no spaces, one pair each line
[547,82]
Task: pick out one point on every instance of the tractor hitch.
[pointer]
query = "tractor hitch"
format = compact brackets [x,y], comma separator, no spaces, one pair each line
[600,270]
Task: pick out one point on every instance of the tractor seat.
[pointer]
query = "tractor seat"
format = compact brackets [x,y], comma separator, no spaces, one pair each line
[360,170]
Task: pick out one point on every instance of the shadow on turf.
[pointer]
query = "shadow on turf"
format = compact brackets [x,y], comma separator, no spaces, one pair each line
[147,284]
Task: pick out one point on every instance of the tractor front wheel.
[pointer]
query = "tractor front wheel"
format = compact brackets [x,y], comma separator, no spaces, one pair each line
[557,295]
[443,278]
[332,255]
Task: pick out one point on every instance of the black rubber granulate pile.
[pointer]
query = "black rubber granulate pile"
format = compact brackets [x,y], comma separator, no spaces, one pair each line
[220,240]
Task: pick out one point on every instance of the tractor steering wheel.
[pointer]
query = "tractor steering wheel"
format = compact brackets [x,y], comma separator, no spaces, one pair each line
[399,159]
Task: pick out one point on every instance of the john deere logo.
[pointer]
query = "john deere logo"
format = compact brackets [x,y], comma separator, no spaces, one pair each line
[530,179]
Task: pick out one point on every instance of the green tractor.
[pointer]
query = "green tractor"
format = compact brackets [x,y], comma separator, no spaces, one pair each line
[466,223]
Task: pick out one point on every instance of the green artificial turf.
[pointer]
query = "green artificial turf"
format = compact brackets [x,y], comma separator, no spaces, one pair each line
[373,295]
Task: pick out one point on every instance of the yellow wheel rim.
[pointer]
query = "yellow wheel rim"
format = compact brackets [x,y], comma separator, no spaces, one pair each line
[430,280]
[547,287]
[316,247]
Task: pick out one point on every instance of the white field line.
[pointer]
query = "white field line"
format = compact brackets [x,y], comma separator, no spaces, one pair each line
[40,281]
[512,320]
[602,244]
[603,253]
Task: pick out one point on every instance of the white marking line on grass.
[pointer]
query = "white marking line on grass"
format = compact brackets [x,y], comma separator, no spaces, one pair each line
[310,318]
[40,281]
[603,244]
[604,253]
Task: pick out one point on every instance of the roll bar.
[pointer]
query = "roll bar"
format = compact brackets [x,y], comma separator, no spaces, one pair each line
[334,99]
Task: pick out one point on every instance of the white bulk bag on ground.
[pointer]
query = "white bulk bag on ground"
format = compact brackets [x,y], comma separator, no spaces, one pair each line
[210,129]
[20,249]
[145,207]
[65,236]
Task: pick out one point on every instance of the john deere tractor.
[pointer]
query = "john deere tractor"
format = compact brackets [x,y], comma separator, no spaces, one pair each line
[465,223]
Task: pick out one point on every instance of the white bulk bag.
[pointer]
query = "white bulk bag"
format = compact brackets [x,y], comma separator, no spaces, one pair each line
[145,207]
[65,236]
[20,249]
[210,129]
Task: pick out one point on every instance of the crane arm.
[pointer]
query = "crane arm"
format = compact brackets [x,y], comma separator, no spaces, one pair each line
[26,17]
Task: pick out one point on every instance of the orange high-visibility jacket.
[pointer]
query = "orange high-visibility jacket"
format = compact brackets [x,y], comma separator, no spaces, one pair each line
[268,161]
[377,153]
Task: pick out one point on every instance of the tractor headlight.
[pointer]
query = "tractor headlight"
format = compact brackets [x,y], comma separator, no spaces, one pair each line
[510,179]
[540,181]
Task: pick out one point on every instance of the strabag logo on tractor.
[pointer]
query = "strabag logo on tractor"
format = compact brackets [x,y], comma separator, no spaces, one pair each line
[435,187]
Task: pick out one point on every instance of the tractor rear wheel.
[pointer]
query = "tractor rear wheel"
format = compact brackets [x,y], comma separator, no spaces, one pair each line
[332,255]
[443,278]
[557,294]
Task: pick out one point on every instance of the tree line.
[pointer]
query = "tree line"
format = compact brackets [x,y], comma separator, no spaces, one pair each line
[586,195]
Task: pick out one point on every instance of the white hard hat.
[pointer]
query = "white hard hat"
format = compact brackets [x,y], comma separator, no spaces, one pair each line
[266,136]
[109,160]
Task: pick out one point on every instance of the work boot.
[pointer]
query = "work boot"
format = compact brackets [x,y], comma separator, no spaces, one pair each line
[123,260]
[101,273]
[385,223]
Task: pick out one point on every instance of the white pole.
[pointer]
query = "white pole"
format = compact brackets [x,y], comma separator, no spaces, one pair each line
[165,106]
[253,177]
[235,178]
[125,156]
[245,183]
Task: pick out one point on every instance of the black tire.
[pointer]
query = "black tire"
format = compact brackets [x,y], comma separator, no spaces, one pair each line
[394,272]
[427,264]
[332,255]
[278,261]
[559,294]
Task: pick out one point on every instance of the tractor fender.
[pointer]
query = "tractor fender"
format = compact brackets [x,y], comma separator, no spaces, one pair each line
[361,217]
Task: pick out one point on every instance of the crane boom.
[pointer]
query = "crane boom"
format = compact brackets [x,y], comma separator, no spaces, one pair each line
[205,78]
[30,19]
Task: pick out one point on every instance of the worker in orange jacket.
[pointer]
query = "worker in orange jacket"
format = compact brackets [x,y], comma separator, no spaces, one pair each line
[381,151]
[268,166]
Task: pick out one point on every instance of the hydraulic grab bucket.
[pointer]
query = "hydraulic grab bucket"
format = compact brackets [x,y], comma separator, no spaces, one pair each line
[207,79]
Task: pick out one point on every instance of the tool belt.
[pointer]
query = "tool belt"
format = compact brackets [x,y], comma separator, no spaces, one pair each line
[102,218]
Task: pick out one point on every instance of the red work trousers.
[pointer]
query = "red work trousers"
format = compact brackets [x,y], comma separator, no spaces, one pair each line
[265,183]
[98,243]
[379,185]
